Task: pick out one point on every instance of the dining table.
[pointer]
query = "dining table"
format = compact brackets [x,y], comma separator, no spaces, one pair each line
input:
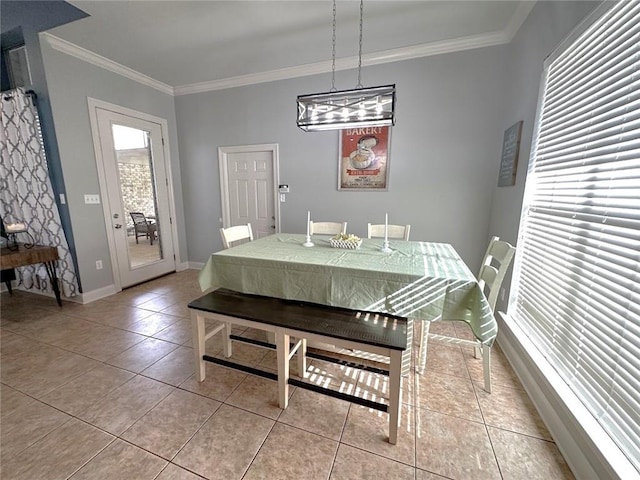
[423,281]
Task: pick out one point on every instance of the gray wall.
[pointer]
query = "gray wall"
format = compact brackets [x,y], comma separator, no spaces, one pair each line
[444,156]
[445,148]
[546,26]
[70,82]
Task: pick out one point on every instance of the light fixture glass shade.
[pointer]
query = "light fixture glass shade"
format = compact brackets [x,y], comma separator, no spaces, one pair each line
[361,107]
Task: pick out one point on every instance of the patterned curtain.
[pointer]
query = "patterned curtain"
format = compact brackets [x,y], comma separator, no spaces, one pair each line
[26,195]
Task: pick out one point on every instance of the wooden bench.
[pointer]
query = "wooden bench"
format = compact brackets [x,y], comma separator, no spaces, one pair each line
[370,332]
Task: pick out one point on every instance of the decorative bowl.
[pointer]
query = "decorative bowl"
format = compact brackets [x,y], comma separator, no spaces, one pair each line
[349,244]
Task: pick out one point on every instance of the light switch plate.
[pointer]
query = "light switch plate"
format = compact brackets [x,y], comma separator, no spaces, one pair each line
[91,198]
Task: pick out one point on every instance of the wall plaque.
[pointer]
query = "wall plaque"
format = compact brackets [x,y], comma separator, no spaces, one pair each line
[510,150]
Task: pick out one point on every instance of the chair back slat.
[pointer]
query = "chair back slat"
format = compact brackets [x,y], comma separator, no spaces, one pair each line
[400,232]
[327,228]
[494,268]
[236,233]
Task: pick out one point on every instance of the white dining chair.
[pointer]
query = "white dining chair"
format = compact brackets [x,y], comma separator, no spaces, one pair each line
[235,234]
[400,232]
[492,272]
[327,228]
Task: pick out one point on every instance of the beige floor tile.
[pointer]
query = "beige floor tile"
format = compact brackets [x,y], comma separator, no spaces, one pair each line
[291,453]
[511,409]
[59,454]
[142,355]
[244,354]
[355,464]
[160,302]
[219,382]
[454,447]
[447,394]
[177,309]
[447,360]
[173,369]
[153,324]
[38,368]
[12,400]
[87,389]
[501,371]
[131,297]
[170,424]
[108,313]
[26,321]
[121,408]
[258,395]
[521,456]
[368,430]
[443,328]
[375,387]
[179,332]
[26,426]
[317,413]
[122,460]
[463,330]
[424,475]
[334,376]
[232,437]
[173,472]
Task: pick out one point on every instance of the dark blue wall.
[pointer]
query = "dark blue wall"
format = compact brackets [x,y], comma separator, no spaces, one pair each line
[30,18]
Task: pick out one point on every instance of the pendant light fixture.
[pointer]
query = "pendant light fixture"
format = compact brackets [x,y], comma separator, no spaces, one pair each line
[339,109]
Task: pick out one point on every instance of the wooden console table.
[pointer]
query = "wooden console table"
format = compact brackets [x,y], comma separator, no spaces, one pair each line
[28,256]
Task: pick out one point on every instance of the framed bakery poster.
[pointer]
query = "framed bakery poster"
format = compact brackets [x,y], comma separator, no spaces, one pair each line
[364,158]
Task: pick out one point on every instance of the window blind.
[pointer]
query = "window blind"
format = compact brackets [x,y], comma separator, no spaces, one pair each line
[576,286]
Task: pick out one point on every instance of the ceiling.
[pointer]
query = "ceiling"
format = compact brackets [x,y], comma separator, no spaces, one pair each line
[186,42]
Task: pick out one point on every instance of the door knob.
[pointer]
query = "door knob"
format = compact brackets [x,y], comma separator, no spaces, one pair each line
[273,226]
[118,226]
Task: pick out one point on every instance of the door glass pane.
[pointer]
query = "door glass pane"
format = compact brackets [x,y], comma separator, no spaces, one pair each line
[138,194]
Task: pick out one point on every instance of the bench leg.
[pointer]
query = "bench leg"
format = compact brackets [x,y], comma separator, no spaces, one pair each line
[395,367]
[197,330]
[226,340]
[302,358]
[282,350]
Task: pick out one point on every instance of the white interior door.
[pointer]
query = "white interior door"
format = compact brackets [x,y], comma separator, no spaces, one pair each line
[249,178]
[137,196]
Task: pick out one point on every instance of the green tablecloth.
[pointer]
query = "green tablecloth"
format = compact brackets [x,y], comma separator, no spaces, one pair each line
[421,280]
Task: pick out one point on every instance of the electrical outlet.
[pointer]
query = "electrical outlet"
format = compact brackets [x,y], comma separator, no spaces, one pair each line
[282,198]
[502,293]
[91,198]
[63,200]
[98,264]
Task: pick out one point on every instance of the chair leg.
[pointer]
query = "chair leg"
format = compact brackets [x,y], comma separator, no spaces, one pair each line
[486,366]
[422,353]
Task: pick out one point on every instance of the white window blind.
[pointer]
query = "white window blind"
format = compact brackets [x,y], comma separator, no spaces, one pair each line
[577,273]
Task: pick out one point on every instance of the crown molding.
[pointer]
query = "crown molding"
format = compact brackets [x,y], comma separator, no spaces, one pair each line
[518,18]
[90,57]
[377,58]
[386,56]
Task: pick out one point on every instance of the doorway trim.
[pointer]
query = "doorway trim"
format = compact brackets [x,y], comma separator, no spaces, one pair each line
[94,104]
[223,160]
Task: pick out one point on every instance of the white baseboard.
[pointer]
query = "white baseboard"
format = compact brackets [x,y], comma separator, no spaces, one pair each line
[182,266]
[587,449]
[97,294]
[196,265]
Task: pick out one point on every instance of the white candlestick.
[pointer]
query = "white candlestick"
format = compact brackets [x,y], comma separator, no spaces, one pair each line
[385,246]
[308,242]
[386,226]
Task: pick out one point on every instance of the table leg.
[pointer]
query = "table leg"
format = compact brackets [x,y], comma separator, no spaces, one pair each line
[53,278]
[8,284]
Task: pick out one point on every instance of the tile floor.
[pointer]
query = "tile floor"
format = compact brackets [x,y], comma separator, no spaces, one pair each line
[105,390]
